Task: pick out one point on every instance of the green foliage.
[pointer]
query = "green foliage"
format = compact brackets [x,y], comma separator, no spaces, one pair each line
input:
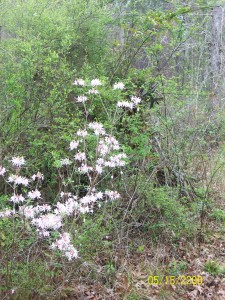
[93,236]
[177,268]
[45,46]
[160,212]
[218,214]
[214,268]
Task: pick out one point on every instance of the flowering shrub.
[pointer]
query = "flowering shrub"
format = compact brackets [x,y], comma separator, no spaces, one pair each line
[93,154]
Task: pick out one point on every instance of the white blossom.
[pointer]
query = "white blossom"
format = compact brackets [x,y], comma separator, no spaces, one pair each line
[39,176]
[18,161]
[103,148]
[28,211]
[81,99]
[79,82]
[2,170]
[113,195]
[112,142]
[34,194]
[84,209]
[100,161]
[65,162]
[96,82]
[85,168]
[66,208]
[98,169]
[74,145]
[82,133]
[93,92]
[64,244]
[7,213]
[17,198]
[48,221]
[118,86]
[18,180]
[80,156]
[125,104]
[97,127]
[135,100]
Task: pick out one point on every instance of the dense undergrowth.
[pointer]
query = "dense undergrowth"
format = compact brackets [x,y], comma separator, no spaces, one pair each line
[111,69]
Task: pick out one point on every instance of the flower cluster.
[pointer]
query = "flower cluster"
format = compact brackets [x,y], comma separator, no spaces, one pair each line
[64,245]
[7,213]
[97,128]
[2,171]
[34,194]
[49,219]
[37,176]
[79,82]
[95,82]
[17,198]
[81,99]
[18,161]
[30,211]
[129,104]
[118,86]
[18,180]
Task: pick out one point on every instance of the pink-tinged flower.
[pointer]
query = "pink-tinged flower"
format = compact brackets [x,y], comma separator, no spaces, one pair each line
[74,145]
[81,99]
[66,208]
[12,178]
[99,195]
[125,104]
[110,164]
[82,133]
[84,209]
[103,148]
[118,86]
[34,195]
[116,160]
[21,180]
[42,208]
[65,162]
[2,170]
[66,195]
[100,161]
[18,180]
[85,168]
[88,199]
[79,82]
[64,244]
[97,127]
[44,233]
[112,142]
[38,176]
[113,195]
[80,156]
[98,169]
[7,213]
[28,211]
[48,221]
[96,82]
[136,100]
[71,253]
[17,198]
[18,161]
[93,92]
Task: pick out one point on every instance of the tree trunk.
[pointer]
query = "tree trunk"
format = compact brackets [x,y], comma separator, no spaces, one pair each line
[216,53]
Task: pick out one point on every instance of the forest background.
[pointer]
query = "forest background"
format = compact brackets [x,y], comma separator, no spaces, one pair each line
[170,218]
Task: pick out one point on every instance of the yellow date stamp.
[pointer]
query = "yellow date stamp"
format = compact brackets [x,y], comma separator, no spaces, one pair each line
[175,280]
